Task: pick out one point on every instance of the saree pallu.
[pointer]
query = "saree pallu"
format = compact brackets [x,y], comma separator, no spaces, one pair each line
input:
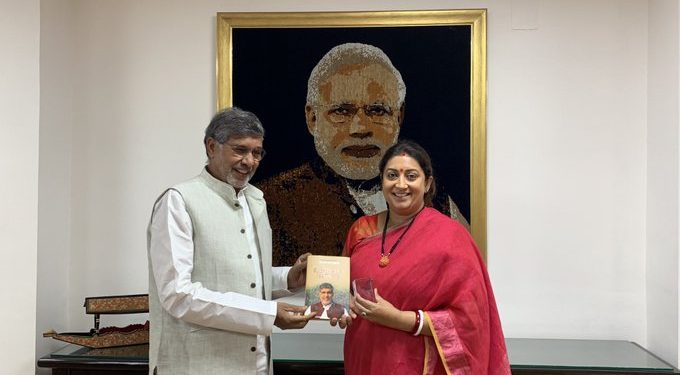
[435,268]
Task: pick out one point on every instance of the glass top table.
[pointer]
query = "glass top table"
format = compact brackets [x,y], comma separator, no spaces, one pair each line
[322,345]
[527,356]
[598,355]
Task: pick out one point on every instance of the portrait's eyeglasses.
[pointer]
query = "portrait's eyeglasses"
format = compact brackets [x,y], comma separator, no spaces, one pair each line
[242,151]
[343,113]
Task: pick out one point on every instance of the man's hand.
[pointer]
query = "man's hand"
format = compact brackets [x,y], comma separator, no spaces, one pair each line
[291,316]
[297,276]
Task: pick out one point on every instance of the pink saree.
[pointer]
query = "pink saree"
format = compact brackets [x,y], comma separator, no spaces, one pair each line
[436,268]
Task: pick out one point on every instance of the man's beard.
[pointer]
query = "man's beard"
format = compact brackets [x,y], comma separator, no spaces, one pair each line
[238,183]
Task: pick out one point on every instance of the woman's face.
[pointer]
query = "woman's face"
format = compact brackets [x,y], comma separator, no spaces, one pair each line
[404,185]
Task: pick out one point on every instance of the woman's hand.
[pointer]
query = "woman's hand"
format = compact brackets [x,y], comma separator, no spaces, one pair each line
[345,320]
[382,312]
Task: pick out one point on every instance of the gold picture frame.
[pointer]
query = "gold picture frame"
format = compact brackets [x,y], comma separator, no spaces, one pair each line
[310,25]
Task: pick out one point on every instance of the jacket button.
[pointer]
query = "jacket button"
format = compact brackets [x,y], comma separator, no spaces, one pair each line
[250,256]
[252,285]
[243,230]
[237,204]
[252,348]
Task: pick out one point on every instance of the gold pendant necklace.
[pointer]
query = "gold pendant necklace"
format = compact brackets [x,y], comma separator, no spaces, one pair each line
[385,257]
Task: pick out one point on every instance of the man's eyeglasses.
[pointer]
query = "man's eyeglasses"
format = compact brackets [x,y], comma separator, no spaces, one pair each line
[345,112]
[242,151]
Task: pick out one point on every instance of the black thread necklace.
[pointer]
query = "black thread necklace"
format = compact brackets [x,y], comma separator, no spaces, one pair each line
[385,258]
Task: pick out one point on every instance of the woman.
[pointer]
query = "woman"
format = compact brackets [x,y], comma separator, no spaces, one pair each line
[435,311]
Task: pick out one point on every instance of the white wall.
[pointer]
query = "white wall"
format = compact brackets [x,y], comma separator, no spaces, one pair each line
[662,179]
[19,106]
[567,170]
[567,162]
[57,40]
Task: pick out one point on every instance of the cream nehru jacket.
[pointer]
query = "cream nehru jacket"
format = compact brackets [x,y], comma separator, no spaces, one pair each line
[221,264]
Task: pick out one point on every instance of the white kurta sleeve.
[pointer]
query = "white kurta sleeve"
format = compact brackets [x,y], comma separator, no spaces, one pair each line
[280,278]
[171,256]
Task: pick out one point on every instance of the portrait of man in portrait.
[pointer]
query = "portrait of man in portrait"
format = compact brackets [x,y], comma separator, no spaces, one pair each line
[338,108]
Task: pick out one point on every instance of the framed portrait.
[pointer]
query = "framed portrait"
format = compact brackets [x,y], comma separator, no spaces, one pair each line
[277,65]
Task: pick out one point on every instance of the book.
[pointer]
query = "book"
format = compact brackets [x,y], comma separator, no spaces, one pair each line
[327,286]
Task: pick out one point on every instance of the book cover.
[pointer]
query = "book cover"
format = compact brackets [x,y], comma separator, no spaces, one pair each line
[327,286]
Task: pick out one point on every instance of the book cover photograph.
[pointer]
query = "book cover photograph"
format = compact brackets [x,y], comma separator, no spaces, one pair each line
[327,287]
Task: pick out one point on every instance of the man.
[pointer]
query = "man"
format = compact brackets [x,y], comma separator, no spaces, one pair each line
[354,111]
[326,308]
[210,274]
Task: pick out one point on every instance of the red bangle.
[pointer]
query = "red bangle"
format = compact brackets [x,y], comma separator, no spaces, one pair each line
[416,324]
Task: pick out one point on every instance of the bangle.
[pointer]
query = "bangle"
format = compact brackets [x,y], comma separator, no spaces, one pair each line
[420,320]
[414,329]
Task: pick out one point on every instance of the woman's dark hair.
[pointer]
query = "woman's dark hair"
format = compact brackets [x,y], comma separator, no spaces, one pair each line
[417,152]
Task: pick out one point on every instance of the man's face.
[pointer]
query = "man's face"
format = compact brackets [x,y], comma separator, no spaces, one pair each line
[326,296]
[357,119]
[234,162]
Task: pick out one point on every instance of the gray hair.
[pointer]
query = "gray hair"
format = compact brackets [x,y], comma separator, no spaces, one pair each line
[326,286]
[350,53]
[233,122]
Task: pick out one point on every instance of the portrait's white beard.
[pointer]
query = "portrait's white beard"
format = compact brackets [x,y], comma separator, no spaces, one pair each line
[355,168]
